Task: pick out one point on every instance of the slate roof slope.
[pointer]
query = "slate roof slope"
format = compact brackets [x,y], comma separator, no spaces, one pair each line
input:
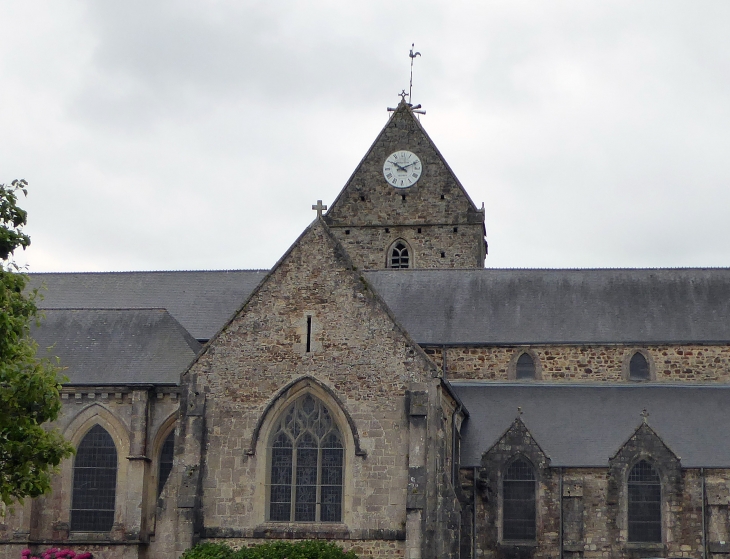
[116,346]
[584,425]
[559,306]
[202,301]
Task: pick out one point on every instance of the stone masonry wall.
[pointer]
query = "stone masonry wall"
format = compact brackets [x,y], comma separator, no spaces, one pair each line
[370,214]
[136,420]
[457,245]
[357,355]
[669,363]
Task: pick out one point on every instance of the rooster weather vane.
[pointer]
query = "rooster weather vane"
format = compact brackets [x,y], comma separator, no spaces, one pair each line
[412,55]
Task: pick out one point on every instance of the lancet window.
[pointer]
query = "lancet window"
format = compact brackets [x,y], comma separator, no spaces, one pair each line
[518,500]
[645,503]
[399,255]
[166,457]
[95,483]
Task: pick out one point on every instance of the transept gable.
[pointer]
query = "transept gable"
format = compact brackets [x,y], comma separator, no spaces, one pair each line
[315,314]
[436,198]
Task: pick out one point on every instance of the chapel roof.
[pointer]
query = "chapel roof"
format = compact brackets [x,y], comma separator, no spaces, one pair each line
[583,425]
[202,301]
[553,306]
[116,346]
[460,307]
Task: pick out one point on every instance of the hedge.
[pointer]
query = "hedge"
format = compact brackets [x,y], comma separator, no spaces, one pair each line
[307,549]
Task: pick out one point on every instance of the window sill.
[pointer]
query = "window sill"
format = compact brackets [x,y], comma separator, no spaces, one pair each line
[302,530]
[652,546]
[517,543]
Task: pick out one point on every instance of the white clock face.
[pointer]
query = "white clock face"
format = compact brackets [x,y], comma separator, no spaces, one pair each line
[402,169]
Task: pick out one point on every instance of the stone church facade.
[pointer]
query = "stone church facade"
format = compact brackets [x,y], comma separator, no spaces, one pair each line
[381,389]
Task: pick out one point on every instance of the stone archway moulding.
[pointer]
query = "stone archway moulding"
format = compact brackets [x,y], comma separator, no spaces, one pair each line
[303,382]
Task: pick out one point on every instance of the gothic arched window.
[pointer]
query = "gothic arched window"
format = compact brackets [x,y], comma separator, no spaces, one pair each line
[638,367]
[166,456]
[525,367]
[645,503]
[518,502]
[307,464]
[95,483]
[399,256]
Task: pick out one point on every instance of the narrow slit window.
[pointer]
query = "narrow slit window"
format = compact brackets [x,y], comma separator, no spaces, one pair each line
[166,457]
[309,333]
[525,367]
[645,504]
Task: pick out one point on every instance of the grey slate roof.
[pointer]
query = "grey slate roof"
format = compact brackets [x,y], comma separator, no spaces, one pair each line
[559,306]
[201,301]
[116,346]
[584,425]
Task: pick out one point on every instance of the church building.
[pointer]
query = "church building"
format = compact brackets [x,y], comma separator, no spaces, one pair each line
[381,389]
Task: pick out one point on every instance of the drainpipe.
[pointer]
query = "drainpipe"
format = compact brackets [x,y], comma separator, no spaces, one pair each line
[454,435]
[704,509]
[443,361]
[474,517]
[561,512]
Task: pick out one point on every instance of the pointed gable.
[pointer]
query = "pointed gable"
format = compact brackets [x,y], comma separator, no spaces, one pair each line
[437,197]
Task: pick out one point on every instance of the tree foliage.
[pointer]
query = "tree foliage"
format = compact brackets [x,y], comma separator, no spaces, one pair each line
[307,549]
[29,387]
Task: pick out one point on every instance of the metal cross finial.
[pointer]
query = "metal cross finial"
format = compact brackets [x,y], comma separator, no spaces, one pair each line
[403,96]
[519,411]
[645,415]
[319,207]
[412,55]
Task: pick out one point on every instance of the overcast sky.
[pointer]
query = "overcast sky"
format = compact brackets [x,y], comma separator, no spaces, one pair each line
[160,135]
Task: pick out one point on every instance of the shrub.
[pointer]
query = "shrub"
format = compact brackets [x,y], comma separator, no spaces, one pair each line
[308,549]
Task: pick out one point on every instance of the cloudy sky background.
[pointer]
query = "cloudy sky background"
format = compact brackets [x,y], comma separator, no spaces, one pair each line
[161,135]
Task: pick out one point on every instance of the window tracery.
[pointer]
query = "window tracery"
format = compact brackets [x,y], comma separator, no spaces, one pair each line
[307,464]
[399,255]
[644,503]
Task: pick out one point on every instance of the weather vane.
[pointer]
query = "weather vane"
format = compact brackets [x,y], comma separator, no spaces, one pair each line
[413,56]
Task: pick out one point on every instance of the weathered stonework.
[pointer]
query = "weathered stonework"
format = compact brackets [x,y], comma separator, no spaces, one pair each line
[435,216]
[579,363]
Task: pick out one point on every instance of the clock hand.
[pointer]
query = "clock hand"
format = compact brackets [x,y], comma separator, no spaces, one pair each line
[397,165]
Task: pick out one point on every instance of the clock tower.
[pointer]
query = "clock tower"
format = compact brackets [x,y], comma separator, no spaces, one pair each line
[403,207]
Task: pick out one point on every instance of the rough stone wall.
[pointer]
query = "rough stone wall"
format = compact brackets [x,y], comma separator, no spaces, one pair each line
[368,206]
[455,245]
[357,354]
[362,548]
[135,419]
[668,363]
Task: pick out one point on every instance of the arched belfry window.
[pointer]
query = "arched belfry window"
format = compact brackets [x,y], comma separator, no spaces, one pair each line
[525,367]
[166,455]
[307,464]
[645,500]
[518,502]
[399,255]
[638,367]
[95,483]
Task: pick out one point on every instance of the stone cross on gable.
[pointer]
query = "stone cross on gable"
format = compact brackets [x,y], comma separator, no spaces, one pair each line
[645,415]
[319,207]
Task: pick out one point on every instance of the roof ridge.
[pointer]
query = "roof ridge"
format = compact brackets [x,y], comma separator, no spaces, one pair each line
[151,271]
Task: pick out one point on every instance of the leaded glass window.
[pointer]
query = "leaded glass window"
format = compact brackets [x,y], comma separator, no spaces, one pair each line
[518,500]
[307,463]
[399,256]
[645,504]
[95,483]
[166,457]
[638,367]
[525,367]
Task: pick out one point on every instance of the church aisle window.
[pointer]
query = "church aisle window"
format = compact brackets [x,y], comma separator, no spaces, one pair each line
[525,367]
[95,482]
[518,502]
[645,511]
[399,255]
[638,367]
[166,457]
[307,463]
